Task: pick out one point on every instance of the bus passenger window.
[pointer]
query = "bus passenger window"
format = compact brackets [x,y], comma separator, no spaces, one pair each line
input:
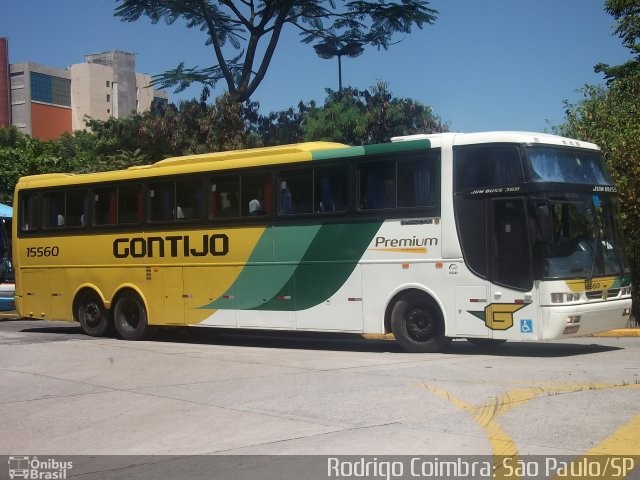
[189,200]
[225,197]
[255,193]
[53,210]
[30,213]
[105,204]
[416,183]
[129,204]
[161,202]
[377,186]
[77,208]
[296,191]
[330,189]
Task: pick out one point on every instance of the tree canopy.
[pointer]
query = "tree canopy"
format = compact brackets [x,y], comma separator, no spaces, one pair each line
[627,14]
[235,30]
[610,116]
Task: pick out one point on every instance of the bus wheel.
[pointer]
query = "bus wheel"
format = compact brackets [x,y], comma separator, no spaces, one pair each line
[92,315]
[417,324]
[130,317]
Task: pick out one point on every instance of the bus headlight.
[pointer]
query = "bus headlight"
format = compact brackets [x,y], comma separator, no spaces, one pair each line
[573,319]
[557,297]
[573,297]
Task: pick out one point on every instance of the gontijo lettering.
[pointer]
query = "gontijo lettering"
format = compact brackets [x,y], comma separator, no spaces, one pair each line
[172,246]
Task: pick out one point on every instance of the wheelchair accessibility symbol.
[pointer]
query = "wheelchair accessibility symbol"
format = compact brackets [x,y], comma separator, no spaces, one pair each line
[526,326]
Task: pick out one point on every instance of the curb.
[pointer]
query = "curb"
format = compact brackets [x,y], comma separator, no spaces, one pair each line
[621,332]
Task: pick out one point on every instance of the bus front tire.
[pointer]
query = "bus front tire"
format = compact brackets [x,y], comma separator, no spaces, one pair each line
[92,315]
[418,325]
[130,317]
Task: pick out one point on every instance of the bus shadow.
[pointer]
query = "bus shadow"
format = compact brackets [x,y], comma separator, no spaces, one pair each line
[530,349]
[342,342]
[339,342]
[355,343]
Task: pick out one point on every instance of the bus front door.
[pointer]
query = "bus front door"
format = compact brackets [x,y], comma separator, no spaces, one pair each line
[511,272]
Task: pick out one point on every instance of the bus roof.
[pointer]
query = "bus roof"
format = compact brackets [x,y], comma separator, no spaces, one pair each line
[5,211]
[300,152]
[437,139]
[220,161]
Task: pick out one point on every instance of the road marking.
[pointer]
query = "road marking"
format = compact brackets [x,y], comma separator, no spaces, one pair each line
[624,442]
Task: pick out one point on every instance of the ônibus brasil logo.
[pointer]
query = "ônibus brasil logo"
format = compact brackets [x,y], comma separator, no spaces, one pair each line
[38,469]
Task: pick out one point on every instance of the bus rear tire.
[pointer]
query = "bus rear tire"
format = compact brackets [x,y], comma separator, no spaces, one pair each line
[92,315]
[418,325]
[130,317]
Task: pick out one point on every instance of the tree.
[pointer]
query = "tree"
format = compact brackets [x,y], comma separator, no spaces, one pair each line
[359,117]
[610,116]
[627,14]
[242,25]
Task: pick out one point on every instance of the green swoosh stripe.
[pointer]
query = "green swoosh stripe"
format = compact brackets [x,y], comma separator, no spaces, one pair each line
[377,149]
[327,264]
[311,264]
[261,279]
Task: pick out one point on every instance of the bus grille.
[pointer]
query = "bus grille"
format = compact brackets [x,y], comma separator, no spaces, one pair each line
[603,294]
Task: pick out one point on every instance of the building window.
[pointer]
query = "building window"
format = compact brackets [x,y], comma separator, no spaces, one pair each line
[159,102]
[108,84]
[48,89]
[108,97]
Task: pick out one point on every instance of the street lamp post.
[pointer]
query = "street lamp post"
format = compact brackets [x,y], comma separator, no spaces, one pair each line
[335,47]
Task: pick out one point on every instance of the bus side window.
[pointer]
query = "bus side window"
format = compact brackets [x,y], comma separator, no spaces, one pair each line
[77,208]
[129,204]
[30,213]
[416,183]
[255,193]
[189,200]
[486,166]
[162,202]
[105,204]
[377,185]
[53,210]
[225,197]
[331,189]
[296,192]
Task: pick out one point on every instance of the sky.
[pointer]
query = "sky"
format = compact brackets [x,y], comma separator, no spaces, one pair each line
[483,65]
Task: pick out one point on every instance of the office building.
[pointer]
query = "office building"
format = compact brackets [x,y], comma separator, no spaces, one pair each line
[46,102]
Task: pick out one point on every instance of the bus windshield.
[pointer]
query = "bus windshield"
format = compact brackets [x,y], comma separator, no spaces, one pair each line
[583,238]
[566,165]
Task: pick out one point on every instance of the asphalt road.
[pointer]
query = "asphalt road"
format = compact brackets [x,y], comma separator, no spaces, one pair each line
[200,391]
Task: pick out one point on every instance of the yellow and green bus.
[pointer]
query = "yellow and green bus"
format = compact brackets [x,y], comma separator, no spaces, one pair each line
[488,236]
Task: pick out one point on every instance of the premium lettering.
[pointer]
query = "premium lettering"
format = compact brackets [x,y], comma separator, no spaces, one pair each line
[405,242]
[171,246]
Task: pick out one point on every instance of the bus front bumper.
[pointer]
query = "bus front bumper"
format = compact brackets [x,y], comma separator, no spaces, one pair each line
[585,319]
